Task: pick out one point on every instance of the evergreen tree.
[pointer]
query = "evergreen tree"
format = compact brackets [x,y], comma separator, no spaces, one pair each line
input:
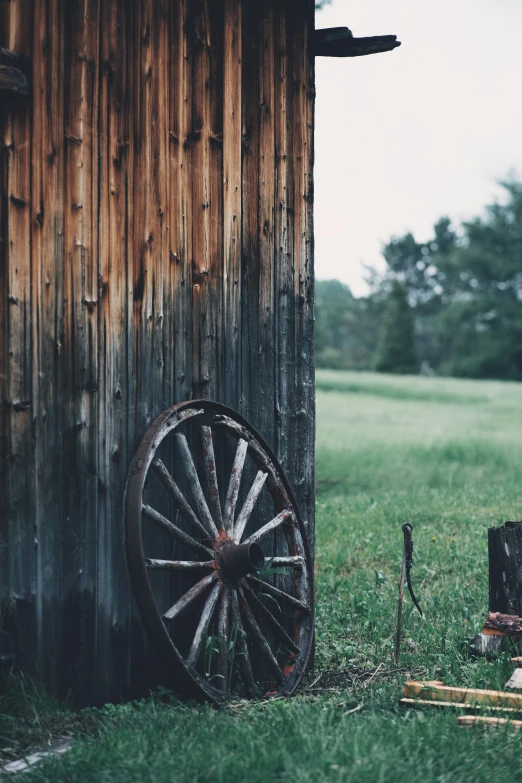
[396,347]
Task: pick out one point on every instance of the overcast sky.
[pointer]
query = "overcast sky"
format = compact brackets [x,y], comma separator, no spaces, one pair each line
[406,136]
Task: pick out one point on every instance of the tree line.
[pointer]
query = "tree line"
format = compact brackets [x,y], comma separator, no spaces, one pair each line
[451,305]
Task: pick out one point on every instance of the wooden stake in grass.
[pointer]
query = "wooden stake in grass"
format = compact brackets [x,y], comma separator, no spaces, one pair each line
[407,563]
[399,609]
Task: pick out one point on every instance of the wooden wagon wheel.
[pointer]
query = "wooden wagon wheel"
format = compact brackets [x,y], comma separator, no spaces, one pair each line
[227,615]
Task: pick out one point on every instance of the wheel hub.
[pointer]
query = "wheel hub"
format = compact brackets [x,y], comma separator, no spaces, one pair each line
[234,561]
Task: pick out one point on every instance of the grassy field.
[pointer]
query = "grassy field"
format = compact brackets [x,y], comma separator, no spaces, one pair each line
[443,454]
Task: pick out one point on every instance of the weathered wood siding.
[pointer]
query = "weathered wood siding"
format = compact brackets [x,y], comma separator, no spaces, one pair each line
[155,245]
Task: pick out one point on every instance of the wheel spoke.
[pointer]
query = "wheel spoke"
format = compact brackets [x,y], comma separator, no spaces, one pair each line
[176,565]
[272,525]
[223,634]
[269,618]
[174,530]
[259,638]
[178,497]
[249,504]
[204,620]
[190,596]
[234,483]
[260,456]
[280,594]
[296,561]
[244,656]
[195,486]
[211,476]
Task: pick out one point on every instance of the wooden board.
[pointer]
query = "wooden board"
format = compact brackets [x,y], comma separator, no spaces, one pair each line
[421,703]
[485,722]
[449,694]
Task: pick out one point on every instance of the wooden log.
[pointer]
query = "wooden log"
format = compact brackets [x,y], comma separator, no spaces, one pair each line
[505,568]
[505,589]
[508,624]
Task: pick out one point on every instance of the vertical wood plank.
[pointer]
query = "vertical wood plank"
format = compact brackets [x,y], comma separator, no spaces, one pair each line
[48,335]
[249,401]
[266,219]
[145,220]
[284,315]
[284,310]
[207,226]
[154,369]
[17,534]
[303,99]
[80,345]
[180,201]
[115,396]
[232,194]
[164,354]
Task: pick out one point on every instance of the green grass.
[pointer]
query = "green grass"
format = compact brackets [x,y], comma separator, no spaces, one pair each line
[443,454]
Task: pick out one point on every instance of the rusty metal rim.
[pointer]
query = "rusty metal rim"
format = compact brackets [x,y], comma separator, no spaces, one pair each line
[163,424]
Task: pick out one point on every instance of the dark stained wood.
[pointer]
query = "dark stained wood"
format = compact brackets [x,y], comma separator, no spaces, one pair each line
[505,568]
[207,197]
[15,69]
[13,80]
[48,339]
[120,208]
[250,230]
[232,198]
[180,201]
[340,42]
[17,529]
[155,246]
[266,370]
[303,76]
[505,589]
[80,351]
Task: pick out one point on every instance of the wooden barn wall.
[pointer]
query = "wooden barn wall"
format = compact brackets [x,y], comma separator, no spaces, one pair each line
[155,246]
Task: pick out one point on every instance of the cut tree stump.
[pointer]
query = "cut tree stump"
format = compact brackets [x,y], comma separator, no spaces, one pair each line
[505,589]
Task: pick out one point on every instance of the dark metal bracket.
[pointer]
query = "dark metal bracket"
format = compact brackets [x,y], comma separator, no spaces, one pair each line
[340,42]
[15,73]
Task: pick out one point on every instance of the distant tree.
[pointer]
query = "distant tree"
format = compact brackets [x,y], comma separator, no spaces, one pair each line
[346,328]
[459,294]
[321,3]
[396,347]
[332,302]
[466,290]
